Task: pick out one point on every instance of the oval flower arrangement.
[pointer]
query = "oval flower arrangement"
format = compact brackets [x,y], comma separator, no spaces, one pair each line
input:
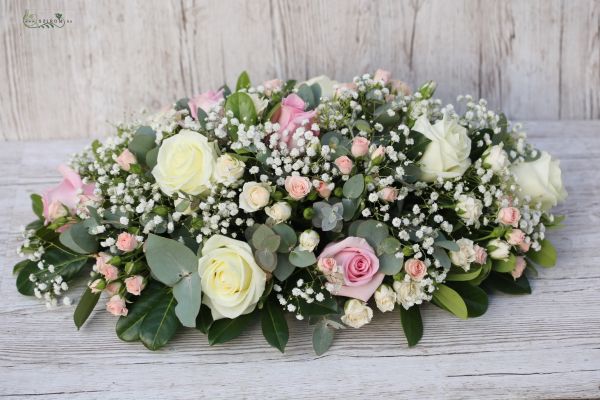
[320,199]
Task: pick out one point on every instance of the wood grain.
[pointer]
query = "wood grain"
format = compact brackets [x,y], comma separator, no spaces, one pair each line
[546,345]
[534,59]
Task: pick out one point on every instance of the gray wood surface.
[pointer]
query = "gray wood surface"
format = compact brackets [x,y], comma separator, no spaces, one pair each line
[546,345]
[534,59]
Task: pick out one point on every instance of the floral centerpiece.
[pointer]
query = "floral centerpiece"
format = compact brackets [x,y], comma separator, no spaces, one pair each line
[324,200]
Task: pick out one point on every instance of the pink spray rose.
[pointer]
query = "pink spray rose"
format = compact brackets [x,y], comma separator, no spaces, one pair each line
[524,246]
[344,164]
[516,237]
[272,85]
[126,242]
[205,101]
[291,116]
[415,268]
[125,159]
[382,75]
[116,306]
[378,154]
[323,189]
[509,216]
[360,146]
[97,286]
[359,266]
[480,255]
[520,265]
[109,271]
[297,186]
[135,284]
[113,288]
[400,87]
[343,87]
[388,194]
[68,193]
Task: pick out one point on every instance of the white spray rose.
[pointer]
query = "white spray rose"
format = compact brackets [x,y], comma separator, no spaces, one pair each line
[447,156]
[232,282]
[279,212]
[228,169]
[465,256]
[498,249]
[385,298]
[409,292]
[469,209]
[185,163]
[308,240]
[254,196]
[356,313]
[496,158]
[326,84]
[541,180]
[259,104]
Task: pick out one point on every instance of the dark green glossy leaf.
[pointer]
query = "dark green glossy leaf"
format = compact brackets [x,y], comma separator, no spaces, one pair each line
[505,265]
[225,329]
[37,205]
[507,284]
[204,319]
[85,307]
[412,324]
[242,107]
[128,327]
[160,323]
[448,299]
[474,297]
[243,82]
[143,141]
[20,265]
[546,257]
[274,326]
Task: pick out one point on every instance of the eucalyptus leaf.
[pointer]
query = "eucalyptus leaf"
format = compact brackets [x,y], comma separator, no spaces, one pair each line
[188,294]
[389,264]
[152,157]
[288,237]
[373,232]
[322,337]
[350,208]
[354,186]
[264,238]
[169,260]
[447,244]
[266,259]
[302,258]
[143,141]
[78,239]
[389,245]
[306,93]
[441,255]
[284,268]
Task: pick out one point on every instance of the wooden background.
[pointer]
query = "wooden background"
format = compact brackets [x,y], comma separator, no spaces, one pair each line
[535,59]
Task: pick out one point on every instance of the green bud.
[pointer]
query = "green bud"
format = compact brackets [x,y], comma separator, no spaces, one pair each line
[116,261]
[338,192]
[308,213]
[277,196]
[132,268]
[368,179]
[312,196]
[427,89]
[161,210]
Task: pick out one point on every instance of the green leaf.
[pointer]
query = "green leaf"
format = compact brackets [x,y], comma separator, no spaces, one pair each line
[354,186]
[266,259]
[389,264]
[306,93]
[264,238]
[485,271]
[474,297]
[322,337]
[152,157]
[274,326]
[350,208]
[169,260]
[284,268]
[302,258]
[243,82]
[373,232]
[24,285]
[188,294]
[20,265]
[505,265]
[85,307]
[441,255]
[78,239]
[412,324]
[507,284]
[458,274]
[143,141]
[128,327]
[287,236]
[389,245]
[204,319]
[326,307]
[37,205]
[447,244]
[160,324]
[225,329]
[362,125]
[546,257]
[448,299]
[242,107]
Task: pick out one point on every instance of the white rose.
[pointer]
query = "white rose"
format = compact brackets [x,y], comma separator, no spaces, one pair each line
[498,249]
[356,313]
[232,282]
[308,240]
[228,169]
[469,209]
[279,212]
[326,84]
[496,158]
[541,180]
[185,163]
[465,256]
[254,196]
[259,104]
[447,156]
[385,298]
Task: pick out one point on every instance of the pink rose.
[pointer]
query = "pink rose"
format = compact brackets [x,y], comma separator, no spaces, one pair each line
[415,268]
[271,86]
[291,116]
[67,193]
[113,288]
[126,242]
[516,237]
[382,75]
[524,246]
[520,265]
[125,159]
[323,189]
[344,164]
[297,186]
[109,271]
[509,216]
[116,306]
[56,210]
[400,87]
[206,101]
[480,255]
[135,284]
[358,264]
[388,194]
[360,146]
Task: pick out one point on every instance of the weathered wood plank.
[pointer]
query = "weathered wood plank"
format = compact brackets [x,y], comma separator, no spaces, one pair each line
[546,345]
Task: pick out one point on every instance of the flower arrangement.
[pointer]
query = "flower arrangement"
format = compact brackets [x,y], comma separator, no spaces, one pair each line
[321,199]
